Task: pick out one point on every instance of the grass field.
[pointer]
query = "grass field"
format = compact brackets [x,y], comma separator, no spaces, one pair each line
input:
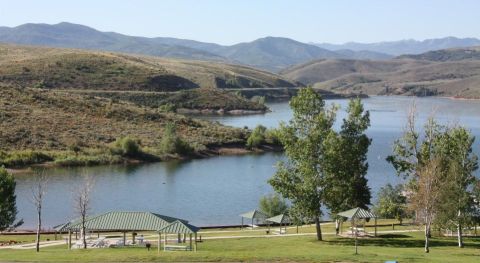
[400,246]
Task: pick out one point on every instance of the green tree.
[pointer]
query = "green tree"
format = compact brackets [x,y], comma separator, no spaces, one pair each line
[8,208]
[257,137]
[127,146]
[273,205]
[391,202]
[346,163]
[459,166]
[300,178]
[171,143]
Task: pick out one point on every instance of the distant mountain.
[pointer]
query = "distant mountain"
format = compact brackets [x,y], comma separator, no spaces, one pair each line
[275,53]
[449,72]
[401,47]
[453,54]
[270,53]
[79,36]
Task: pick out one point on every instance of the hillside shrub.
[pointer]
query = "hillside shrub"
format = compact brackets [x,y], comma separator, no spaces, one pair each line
[171,143]
[257,137]
[126,146]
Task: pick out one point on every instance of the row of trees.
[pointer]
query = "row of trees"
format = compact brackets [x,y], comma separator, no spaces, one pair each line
[324,167]
[439,167]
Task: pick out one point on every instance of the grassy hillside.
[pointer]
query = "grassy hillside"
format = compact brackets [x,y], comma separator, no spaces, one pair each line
[79,70]
[452,72]
[59,125]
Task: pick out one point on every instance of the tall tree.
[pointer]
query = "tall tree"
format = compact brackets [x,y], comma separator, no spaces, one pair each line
[346,162]
[273,205]
[39,190]
[8,208]
[82,204]
[459,165]
[301,178]
[425,201]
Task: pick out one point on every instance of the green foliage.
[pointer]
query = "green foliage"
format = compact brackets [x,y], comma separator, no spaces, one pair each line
[8,208]
[451,147]
[258,99]
[257,137]
[273,205]
[301,177]
[22,158]
[391,203]
[126,146]
[171,143]
[272,136]
[346,164]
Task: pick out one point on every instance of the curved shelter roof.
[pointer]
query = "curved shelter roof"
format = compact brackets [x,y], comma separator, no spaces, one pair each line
[280,219]
[180,228]
[357,213]
[123,221]
[254,214]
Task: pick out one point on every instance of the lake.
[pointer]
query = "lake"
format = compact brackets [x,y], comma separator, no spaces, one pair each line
[216,190]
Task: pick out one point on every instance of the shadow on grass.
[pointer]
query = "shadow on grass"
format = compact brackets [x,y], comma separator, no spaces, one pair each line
[400,241]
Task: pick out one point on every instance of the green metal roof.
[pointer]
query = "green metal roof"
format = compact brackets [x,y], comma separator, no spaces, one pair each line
[357,213]
[280,219]
[254,214]
[180,228]
[120,220]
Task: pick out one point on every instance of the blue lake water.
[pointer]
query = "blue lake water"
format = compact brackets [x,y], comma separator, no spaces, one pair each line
[216,190]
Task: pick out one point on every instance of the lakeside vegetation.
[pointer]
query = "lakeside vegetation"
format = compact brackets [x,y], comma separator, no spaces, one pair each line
[41,126]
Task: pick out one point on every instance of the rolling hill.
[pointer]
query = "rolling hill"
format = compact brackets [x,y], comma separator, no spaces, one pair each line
[450,72]
[146,81]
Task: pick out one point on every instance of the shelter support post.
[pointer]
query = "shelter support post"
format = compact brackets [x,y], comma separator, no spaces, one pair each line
[165,242]
[179,238]
[69,239]
[124,238]
[191,242]
[241,226]
[184,238]
[159,242]
[195,246]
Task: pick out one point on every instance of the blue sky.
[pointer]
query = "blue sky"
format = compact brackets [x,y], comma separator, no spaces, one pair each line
[233,21]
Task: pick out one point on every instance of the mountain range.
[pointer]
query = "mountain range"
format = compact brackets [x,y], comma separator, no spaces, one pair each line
[410,46]
[269,53]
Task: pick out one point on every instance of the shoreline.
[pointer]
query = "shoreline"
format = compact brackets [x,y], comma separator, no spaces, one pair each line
[213,151]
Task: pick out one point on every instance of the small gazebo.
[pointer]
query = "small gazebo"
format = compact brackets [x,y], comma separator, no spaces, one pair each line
[356,214]
[180,228]
[254,215]
[282,220]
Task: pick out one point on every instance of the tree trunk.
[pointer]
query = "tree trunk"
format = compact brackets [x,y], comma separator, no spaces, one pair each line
[427,235]
[84,236]
[39,227]
[337,226]
[319,229]
[460,236]
[459,231]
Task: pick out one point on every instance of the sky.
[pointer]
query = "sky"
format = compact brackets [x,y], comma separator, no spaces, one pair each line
[233,21]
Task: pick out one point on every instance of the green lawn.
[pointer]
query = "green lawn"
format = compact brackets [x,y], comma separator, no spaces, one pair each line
[404,247]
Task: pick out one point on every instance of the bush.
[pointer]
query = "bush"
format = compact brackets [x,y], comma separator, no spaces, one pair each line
[272,136]
[126,146]
[258,99]
[257,137]
[171,143]
[273,205]
[22,158]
